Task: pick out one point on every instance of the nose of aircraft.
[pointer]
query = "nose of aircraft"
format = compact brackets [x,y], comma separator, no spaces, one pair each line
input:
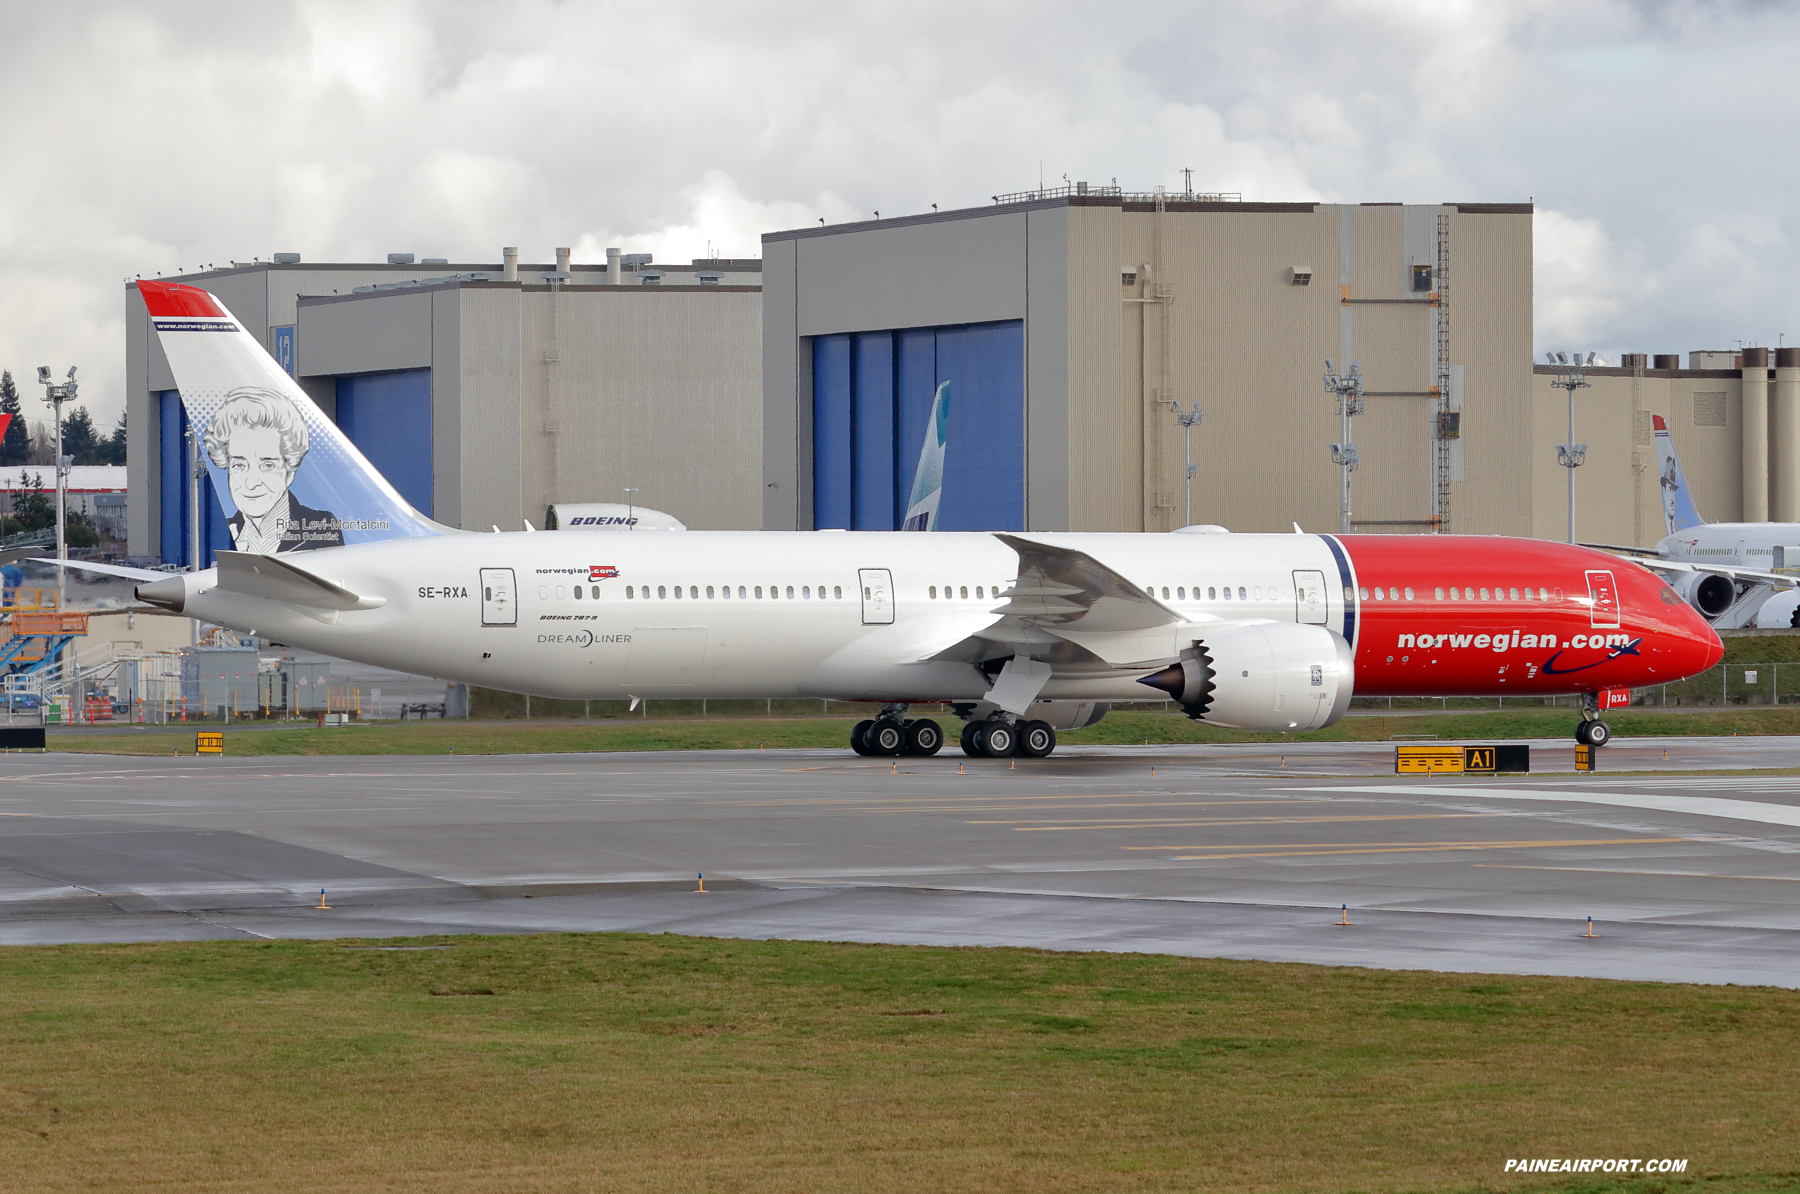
[1682,642]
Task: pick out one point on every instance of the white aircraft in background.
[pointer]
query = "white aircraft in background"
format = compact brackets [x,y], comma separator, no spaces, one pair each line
[1736,574]
[1022,634]
[928,479]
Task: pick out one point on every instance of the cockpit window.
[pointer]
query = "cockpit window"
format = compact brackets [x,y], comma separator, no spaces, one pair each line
[1669,596]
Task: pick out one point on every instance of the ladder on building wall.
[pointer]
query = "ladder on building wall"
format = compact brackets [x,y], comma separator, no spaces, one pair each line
[1440,513]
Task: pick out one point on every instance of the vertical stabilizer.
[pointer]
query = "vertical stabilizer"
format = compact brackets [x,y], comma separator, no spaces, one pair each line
[1677,499]
[287,478]
[928,481]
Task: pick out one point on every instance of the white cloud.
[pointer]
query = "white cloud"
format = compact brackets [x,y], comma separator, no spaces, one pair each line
[144,138]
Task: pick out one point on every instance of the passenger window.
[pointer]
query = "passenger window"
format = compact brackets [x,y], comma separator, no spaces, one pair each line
[1228,592]
[806,592]
[709,592]
[1440,593]
[1212,594]
[1363,593]
[578,592]
[662,592]
[1514,593]
[678,592]
[725,592]
[1180,593]
[1468,594]
[741,592]
[1544,594]
[965,592]
[629,595]
[1165,592]
[1241,596]
[1409,595]
[837,592]
[759,592]
[1484,594]
[543,592]
[790,592]
[1379,594]
[1259,592]
[594,592]
[559,592]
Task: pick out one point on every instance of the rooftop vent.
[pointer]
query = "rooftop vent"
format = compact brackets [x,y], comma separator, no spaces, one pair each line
[400,258]
[630,260]
[286,259]
[435,261]
[1301,275]
[708,277]
[650,277]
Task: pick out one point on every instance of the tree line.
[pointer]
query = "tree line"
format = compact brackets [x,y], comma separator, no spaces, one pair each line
[36,443]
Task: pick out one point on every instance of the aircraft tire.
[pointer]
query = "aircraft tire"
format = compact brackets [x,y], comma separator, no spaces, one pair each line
[924,737]
[885,738]
[1598,733]
[1581,732]
[969,730]
[856,737]
[998,739]
[1036,739]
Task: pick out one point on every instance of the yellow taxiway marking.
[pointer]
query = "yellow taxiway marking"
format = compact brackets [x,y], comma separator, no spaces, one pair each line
[1601,870]
[1136,824]
[1411,847]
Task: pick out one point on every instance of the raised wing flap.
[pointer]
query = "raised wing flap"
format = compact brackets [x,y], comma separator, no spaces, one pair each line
[274,579]
[1059,587]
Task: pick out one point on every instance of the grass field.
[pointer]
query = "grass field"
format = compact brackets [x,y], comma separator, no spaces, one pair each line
[615,1062]
[715,733]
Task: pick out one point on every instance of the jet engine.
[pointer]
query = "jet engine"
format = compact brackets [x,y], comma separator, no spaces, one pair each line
[1267,676]
[1707,592]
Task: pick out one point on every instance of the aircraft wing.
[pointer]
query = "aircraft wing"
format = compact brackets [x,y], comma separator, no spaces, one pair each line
[1067,589]
[1747,575]
[1068,606]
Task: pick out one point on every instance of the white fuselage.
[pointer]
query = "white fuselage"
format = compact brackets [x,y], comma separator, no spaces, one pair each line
[742,613]
[1732,544]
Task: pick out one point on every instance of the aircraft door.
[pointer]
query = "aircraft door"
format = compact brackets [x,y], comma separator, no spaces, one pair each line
[1310,607]
[877,596]
[1604,611]
[499,598]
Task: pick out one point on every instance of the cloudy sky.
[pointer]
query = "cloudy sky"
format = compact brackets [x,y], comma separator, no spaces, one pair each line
[1657,139]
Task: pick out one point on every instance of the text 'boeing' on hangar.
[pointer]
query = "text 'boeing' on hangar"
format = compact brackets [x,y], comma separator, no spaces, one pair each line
[487,393]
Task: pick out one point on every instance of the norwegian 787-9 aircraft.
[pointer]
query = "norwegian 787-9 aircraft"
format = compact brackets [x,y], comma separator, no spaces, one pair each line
[1022,633]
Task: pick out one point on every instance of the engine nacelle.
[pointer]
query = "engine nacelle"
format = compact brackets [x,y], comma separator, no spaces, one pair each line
[1707,592]
[1268,676]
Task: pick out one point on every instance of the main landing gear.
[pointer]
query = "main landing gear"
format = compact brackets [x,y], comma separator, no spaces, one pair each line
[1592,731]
[893,734]
[998,738]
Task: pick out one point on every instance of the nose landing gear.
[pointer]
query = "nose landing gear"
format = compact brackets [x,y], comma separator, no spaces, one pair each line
[1592,731]
[892,734]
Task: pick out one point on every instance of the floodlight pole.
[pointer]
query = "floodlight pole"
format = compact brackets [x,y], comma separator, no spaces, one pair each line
[1570,376]
[56,394]
[1188,419]
[1348,386]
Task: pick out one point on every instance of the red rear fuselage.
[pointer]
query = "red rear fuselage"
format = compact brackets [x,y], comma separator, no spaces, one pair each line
[1464,615]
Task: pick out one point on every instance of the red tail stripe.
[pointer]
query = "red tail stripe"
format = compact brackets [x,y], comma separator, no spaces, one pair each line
[169,299]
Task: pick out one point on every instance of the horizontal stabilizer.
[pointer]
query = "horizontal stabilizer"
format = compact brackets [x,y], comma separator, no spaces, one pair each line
[107,569]
[274,579]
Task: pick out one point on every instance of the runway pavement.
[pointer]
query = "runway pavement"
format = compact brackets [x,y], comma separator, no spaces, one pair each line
[1248,852]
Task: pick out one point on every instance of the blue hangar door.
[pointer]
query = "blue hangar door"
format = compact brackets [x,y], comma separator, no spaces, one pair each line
[872,394]
[388,417]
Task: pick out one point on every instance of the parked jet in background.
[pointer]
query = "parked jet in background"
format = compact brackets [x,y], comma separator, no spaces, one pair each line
[928,481]
[1022,633]
[1735,573]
